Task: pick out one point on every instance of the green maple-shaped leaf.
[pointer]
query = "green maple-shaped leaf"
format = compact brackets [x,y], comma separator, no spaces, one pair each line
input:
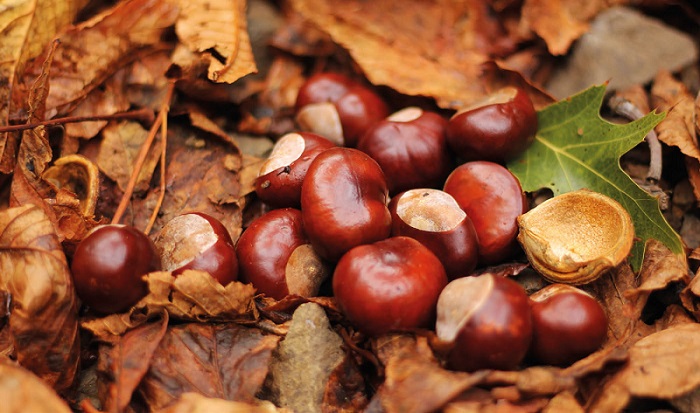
[576,148]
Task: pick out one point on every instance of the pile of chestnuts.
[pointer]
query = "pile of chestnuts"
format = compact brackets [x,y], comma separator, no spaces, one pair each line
[396,211]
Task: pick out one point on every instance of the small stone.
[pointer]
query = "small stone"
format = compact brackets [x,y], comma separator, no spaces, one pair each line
[304,360]
[625,47]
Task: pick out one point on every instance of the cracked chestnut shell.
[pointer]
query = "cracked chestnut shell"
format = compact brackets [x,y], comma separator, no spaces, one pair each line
[576,237]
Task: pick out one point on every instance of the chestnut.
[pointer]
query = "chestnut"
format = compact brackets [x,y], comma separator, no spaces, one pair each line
[108,267]
[338,108]
[344,201]
[486,322]
[497,129]
[279,181]
[493,198]
[197,241]
[410,147]
[434,218]
[275,256]
[569,324]
[392,284]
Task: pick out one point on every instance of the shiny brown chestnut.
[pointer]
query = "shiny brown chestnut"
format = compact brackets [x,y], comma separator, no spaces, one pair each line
[108,267]
[486,322]
[279,181]
[569,324]
[497,129]
[410,147]
[338,108]
[197,241]
[344,201]
[493,198]
[434,218]
[275,256]
[390,285]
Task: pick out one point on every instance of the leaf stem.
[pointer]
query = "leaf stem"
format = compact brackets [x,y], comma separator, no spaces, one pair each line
[144,114]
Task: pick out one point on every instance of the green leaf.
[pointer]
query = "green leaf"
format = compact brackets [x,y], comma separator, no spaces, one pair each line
[576,148]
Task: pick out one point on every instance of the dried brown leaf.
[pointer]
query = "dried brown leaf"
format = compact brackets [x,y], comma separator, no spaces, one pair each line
[196,403]
[226,361]
[561,22]
[126,360]
[25,34]
[95,49]
[660,268]
[192,295]
[663,365]
[564,402]
[442,45]
[119,150]
[218,26]
[43,321]
[416,383]
[21,391]
[678,127]
[202,175]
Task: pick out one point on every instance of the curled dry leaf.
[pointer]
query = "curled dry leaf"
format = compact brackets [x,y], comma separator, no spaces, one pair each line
[660,268]
[226,361]
[663,365]
[575,237]
[22,391]
[220,26]
[43,322]
[678,128]
[192,295]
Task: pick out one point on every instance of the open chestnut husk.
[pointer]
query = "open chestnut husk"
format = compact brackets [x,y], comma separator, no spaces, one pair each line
[576,237]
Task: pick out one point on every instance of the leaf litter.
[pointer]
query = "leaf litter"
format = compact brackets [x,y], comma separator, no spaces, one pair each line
[194,345]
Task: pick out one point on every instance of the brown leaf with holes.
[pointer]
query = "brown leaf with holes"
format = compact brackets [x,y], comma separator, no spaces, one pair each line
[123,363]
[22,391]
[218,28]
[678,128]
[43,322]
[226,361]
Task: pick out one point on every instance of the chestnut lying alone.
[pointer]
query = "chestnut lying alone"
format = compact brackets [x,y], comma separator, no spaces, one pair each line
[108,267]
[275,256]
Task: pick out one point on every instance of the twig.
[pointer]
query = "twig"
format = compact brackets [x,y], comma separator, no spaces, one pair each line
[626,108]
[164,145]
[145,115]
[143,153]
